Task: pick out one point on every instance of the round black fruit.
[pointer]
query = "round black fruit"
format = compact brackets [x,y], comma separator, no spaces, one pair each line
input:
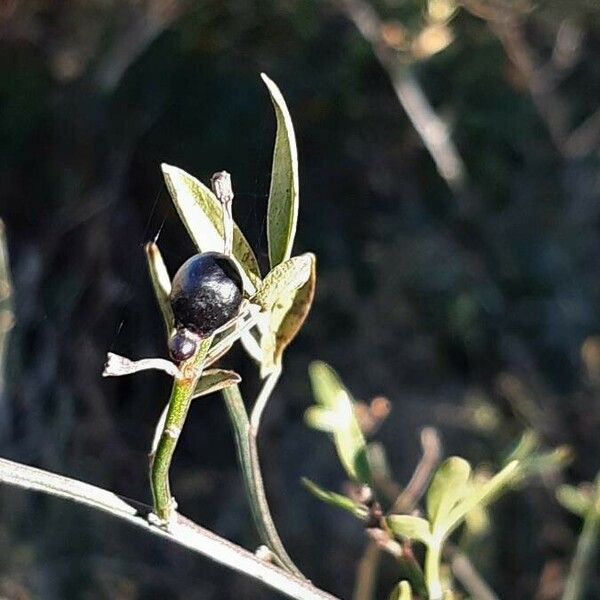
[182,345]
[206,293]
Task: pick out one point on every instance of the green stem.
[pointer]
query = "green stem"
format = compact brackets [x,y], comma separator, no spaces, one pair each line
[245,440]
[433,558]
[179,404]
[581,567]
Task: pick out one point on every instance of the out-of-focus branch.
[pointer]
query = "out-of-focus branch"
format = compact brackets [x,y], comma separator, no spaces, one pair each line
[432,129]
[465,572]
[6,324]
[506,21]
[582,566]
[416,487]
[154,17]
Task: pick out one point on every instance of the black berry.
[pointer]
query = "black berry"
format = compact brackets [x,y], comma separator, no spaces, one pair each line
[182,345]
[205,294]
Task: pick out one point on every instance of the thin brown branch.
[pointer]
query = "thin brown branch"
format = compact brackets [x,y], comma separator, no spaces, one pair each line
[417,486]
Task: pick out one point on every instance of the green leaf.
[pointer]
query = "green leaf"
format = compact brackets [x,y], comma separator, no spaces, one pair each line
[330,394]
[202,215]
[321,419]
[161,283]
[214,380]
[408,526]
[482,495]
[285,321]
[401,592]
[283,195]
[448,487]
[574,500]
[283,280]
[358,510]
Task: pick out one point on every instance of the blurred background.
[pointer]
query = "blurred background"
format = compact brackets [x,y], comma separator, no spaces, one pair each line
[450,188]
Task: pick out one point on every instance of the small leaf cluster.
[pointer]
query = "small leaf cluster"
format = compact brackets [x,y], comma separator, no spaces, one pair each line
[454,492]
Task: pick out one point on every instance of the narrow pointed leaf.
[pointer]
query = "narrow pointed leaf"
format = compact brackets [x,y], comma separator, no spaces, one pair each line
[283,280]
[482,495]
[448,487]
[214,380]
[161,283]
[410,527]
[285,321]
[283,195]
[358,510]
[330,393]
[202,215]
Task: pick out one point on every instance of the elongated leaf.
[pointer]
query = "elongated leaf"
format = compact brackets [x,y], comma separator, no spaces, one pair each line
[214,380]
[286,319]
[283,195]
[161,283]
[358,510]
[482,495]
[401,592]
[283,280]
[350,444]
[202,216]
[448,487]
[412,528]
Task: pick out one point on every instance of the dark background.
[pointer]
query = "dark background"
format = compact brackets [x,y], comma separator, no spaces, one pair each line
[452,303]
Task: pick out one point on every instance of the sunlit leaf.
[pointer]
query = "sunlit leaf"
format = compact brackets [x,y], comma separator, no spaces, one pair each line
[214,380]
[401,592]
[283,195]
[448,487]
[321,419]
[202,216]
[331,395]
[482,495]
[161,283]
[410,527]
[358,510]
[283,280]
[574,500]
[286,318]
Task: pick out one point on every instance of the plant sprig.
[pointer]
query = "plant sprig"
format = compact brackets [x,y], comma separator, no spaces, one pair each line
[452,494]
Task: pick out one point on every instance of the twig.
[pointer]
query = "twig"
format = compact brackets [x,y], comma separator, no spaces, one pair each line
[6,324]
[465,572]
[182,531]
[249,464]
[582,565]
[416,487]
[366,577]
[434,132]
[262,399]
